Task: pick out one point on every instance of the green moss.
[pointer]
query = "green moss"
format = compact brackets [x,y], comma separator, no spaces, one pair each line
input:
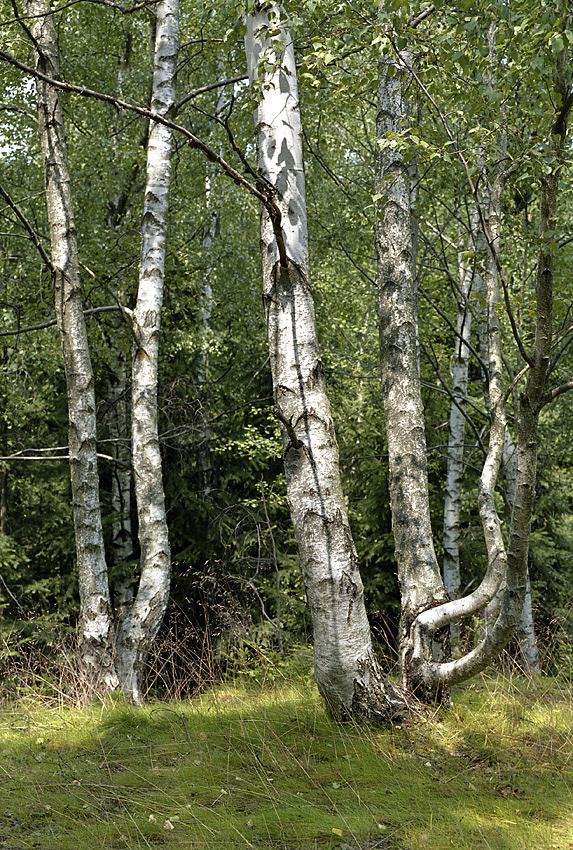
[267,768]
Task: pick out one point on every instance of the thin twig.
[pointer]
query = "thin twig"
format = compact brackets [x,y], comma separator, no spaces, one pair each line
[53,322]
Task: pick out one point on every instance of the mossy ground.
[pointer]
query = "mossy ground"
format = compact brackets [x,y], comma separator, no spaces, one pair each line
[261,765]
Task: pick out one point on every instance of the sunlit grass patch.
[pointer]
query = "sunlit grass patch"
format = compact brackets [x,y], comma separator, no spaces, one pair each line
[264,766]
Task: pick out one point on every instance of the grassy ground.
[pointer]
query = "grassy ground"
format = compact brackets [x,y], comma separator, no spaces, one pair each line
[260,765]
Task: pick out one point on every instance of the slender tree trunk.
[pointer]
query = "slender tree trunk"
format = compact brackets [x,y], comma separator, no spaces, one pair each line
[346,669]
[119,417]
[526,634]
[119,422]
[4,444]
[509,569]
[455,464]
[421,585]
[95,631]
[210,233]
[139,628]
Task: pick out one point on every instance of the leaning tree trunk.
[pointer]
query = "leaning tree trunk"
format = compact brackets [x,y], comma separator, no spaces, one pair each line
[95,631]
[419,576]
[139,628]
[346,670]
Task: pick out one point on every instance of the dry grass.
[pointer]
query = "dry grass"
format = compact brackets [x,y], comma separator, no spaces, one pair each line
[257,763]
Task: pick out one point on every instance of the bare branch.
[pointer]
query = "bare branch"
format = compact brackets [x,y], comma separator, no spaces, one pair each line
[557,391]
[210,87]
[52,322]
[35,237]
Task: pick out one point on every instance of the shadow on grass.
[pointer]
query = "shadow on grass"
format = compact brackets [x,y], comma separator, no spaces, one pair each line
[266,768]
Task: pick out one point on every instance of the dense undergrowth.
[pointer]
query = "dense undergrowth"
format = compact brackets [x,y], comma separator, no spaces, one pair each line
[255,762]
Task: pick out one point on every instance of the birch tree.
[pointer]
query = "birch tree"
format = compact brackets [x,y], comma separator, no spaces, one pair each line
[423,615]
[457,424]
[138,629]
[95,633]
[346,670]
[106,658]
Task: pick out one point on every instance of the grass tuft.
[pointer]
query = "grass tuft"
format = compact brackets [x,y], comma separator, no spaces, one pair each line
[257,763]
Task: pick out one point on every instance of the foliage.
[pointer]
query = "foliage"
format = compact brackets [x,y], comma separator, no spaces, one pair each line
[237,540]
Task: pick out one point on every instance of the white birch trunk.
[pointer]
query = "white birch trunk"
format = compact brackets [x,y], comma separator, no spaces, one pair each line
[421,585]
[119,422]
[510,567]
[210,232]
[139,628]
[119,419]
[95,624]
[457,429]
[346,670]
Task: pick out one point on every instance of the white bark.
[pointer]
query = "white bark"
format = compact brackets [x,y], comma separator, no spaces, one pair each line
[119,423]
[95,625]
[526,634]
[511,566]
[421,585]
[346,670]
[139,628]
[455,465]
[119,418]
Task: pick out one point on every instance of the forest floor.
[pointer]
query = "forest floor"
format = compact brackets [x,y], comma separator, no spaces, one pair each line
[257,763]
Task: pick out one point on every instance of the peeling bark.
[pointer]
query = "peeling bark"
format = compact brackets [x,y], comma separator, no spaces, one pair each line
[95,631]
[139,628]
[346,669]
[421,586]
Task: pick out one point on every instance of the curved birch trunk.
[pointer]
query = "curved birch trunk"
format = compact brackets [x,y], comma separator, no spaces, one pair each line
[95,631]
[511,565]
[140,626]
[346,670]
[423,615]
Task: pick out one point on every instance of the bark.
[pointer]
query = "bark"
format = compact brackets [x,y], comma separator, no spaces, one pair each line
[210,233]
[532,400]
[4,443]
[420,582]
[95,631]
[457,427]
[139,628]
[346,670]
[527,641]
[421,585]
[120,448]
[119,418]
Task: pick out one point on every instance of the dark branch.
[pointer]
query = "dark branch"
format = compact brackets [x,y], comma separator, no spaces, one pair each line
[210,87]
[33,234]
[266,198]
[53,322]
[556,392]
